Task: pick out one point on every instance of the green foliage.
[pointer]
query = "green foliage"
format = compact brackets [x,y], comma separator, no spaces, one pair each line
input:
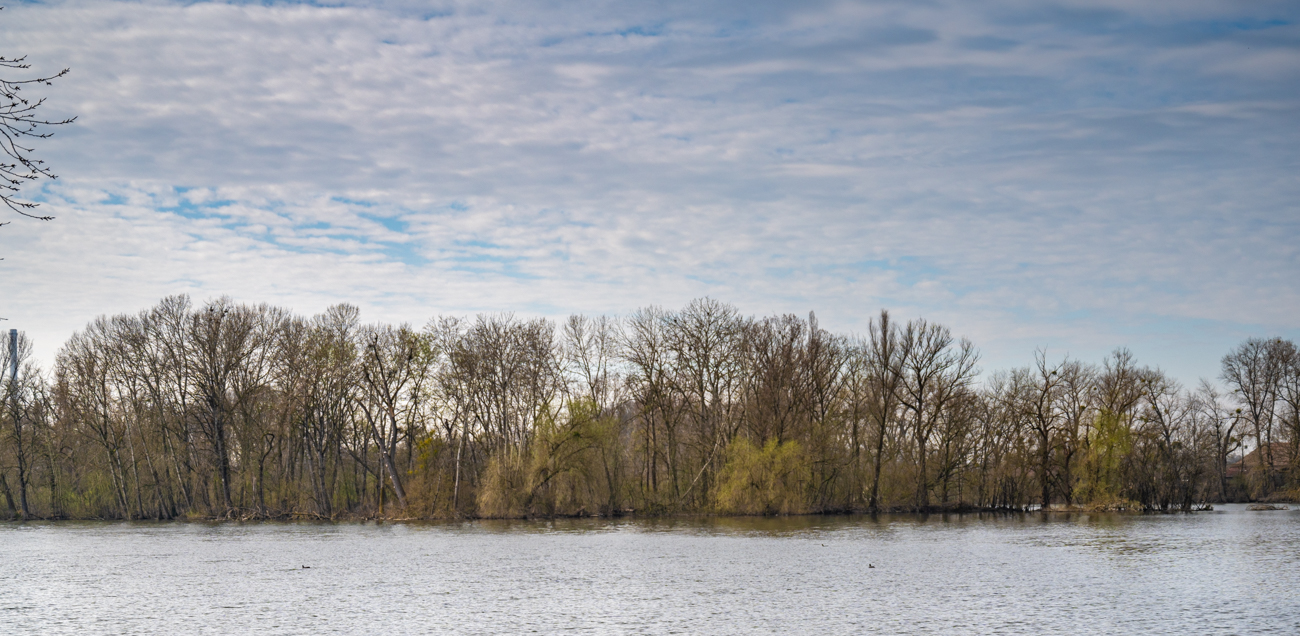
[561,472]
[1110,441]
[93,499]
[766,481]
[504,488]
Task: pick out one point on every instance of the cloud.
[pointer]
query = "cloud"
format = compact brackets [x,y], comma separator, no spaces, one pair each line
[1066,175]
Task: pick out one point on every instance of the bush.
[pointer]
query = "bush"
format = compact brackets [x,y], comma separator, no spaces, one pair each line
[766,481]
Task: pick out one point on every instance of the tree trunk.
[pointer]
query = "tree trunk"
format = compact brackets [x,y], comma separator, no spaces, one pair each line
[1043,480]
[223,464]
[874,502]
[923,477]
[9,495]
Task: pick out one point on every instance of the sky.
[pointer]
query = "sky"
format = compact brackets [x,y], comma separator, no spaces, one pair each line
[1067,176]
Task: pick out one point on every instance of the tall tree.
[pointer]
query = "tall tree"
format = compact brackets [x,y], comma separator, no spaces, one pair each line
[224,337]
[936,371]
[885,360]
[704,339]
[390,372]
[1255,372]
[22,392]
[1044,404]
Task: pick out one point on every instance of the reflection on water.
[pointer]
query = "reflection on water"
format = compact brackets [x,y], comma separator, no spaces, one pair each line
[1227,571]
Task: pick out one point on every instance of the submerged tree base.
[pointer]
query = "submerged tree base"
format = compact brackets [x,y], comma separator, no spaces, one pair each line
[246,516]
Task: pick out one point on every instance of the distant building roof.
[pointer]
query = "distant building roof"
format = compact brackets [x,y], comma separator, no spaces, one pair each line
[1281,459]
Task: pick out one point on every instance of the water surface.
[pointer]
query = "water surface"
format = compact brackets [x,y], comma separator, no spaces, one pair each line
[1227,571]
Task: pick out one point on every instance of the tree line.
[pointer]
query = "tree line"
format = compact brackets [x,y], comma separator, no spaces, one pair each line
[230,410]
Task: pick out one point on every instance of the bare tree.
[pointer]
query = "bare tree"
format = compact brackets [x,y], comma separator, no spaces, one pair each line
[1288,358]
[1077,388]
[885,359]
[21,122]
[1044,405]
[704,339]
[1005,457]
[1255,370]
[775,377]
[328,374]
[1167,418]
[501,378]
[1222,421]
[22,393]
[935,373]
[224,337]
[645,344]
[170,381]
[824,362]
[390,358]
[592,351]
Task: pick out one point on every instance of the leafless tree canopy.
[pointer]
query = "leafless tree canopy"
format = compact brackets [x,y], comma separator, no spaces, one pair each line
[22,122]
[226,410]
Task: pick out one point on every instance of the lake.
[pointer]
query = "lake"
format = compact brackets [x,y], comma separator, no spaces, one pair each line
[1227,571]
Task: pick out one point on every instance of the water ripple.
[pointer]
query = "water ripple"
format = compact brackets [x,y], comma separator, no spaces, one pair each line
[1229,571]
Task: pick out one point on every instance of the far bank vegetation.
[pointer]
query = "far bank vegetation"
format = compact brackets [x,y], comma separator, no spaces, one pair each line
[227,410]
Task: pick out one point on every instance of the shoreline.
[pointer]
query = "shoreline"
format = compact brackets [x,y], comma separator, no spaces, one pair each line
[901,512]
